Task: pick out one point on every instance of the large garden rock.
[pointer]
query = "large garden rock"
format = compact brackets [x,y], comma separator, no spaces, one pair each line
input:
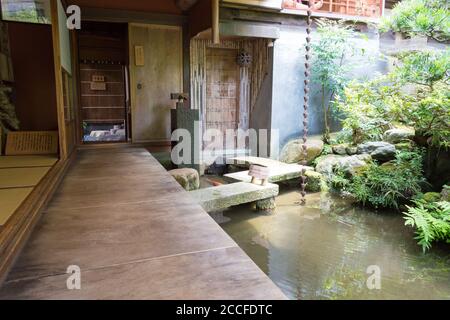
[399,135]
[315,181]
[188,178]
[326,165]
[431,197]
[381,151]
[445,194]
[340,149]
[293,152]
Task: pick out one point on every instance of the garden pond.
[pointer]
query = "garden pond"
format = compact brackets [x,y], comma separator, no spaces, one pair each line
[323,250]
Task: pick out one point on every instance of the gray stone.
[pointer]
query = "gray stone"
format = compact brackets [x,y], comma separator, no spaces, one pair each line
[382,151]
[445,194]
[399,135]
[404,146]
[340,149]
[315,182]
[326,165]
[351,151]
[228,195]
[277,173]
[188,178]
[293,152]
[266,205]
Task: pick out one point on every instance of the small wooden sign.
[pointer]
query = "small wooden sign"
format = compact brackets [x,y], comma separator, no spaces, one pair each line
[139,56]
[98,78]
[31,143]
[260,173]
[98,86]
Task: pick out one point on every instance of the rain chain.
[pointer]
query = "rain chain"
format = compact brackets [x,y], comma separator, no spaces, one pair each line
[306,102]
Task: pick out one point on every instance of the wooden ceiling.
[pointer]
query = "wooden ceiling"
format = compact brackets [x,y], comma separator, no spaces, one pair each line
[154,6]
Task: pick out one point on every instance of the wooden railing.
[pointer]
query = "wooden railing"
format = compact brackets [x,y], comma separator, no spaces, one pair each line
[360,8]
[364,8]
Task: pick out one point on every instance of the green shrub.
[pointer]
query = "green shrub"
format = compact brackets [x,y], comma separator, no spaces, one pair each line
[420,17]
[390,186]
[431,220]
[331,50]
[369,108]
[429,108]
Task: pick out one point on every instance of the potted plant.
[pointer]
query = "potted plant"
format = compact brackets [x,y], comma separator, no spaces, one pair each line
[414,22]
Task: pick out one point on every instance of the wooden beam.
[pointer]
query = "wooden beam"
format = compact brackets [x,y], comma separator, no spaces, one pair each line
[215,22]
[58,80]
[185,5]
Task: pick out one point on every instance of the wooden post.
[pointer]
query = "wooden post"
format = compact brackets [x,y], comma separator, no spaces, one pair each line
[58,80]
[215,22]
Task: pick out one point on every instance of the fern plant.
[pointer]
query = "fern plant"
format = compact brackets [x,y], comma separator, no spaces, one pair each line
[431,220]
[389,186]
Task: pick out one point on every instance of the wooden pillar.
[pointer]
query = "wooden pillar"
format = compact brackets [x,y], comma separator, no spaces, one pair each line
[215,22]
[58,80]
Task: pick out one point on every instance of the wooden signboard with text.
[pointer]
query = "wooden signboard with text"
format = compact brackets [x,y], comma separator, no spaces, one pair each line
[31,143]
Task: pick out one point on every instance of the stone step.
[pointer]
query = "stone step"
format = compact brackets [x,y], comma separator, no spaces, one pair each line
[247,161]
[279,171]
[229,195]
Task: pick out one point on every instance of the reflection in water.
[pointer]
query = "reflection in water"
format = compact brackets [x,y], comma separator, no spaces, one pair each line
[322,251]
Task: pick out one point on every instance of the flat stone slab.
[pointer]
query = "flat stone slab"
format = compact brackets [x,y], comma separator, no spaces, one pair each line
[247,161]
[279,171]
[229,195]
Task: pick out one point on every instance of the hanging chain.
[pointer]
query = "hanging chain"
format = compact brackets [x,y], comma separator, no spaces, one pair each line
[306,102]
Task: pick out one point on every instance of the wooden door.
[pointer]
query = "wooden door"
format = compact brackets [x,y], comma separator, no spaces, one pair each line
[222,89]
[156,71]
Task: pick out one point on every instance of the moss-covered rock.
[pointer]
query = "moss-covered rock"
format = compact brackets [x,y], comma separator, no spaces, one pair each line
[265,205]
[398,135]
[329,164]
[293,151]
[445,194]
[432,197]
[315,182]
[404,146]
[340,149]
[352,150]
[189,179]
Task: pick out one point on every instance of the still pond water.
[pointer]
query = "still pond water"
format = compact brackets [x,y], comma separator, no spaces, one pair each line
[323,250]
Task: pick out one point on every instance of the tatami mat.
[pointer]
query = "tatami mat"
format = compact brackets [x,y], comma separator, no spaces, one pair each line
[11,199]
[21,177]
[27,161]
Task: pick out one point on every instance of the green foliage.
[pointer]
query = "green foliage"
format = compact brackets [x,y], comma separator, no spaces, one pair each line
[424,68]
[420,17]
[416,93]
[27,15]
[429,107]
[365,108]
[339,181]
[8,118]
[389,186]
[431,220]
[329,67]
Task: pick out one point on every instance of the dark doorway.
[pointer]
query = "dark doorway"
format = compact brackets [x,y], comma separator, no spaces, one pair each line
[104,97]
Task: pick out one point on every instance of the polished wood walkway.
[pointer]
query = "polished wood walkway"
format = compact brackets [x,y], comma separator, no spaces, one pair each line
[135,234]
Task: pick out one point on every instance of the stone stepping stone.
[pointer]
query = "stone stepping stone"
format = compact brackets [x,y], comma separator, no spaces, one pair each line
[279,171]
[229,195]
